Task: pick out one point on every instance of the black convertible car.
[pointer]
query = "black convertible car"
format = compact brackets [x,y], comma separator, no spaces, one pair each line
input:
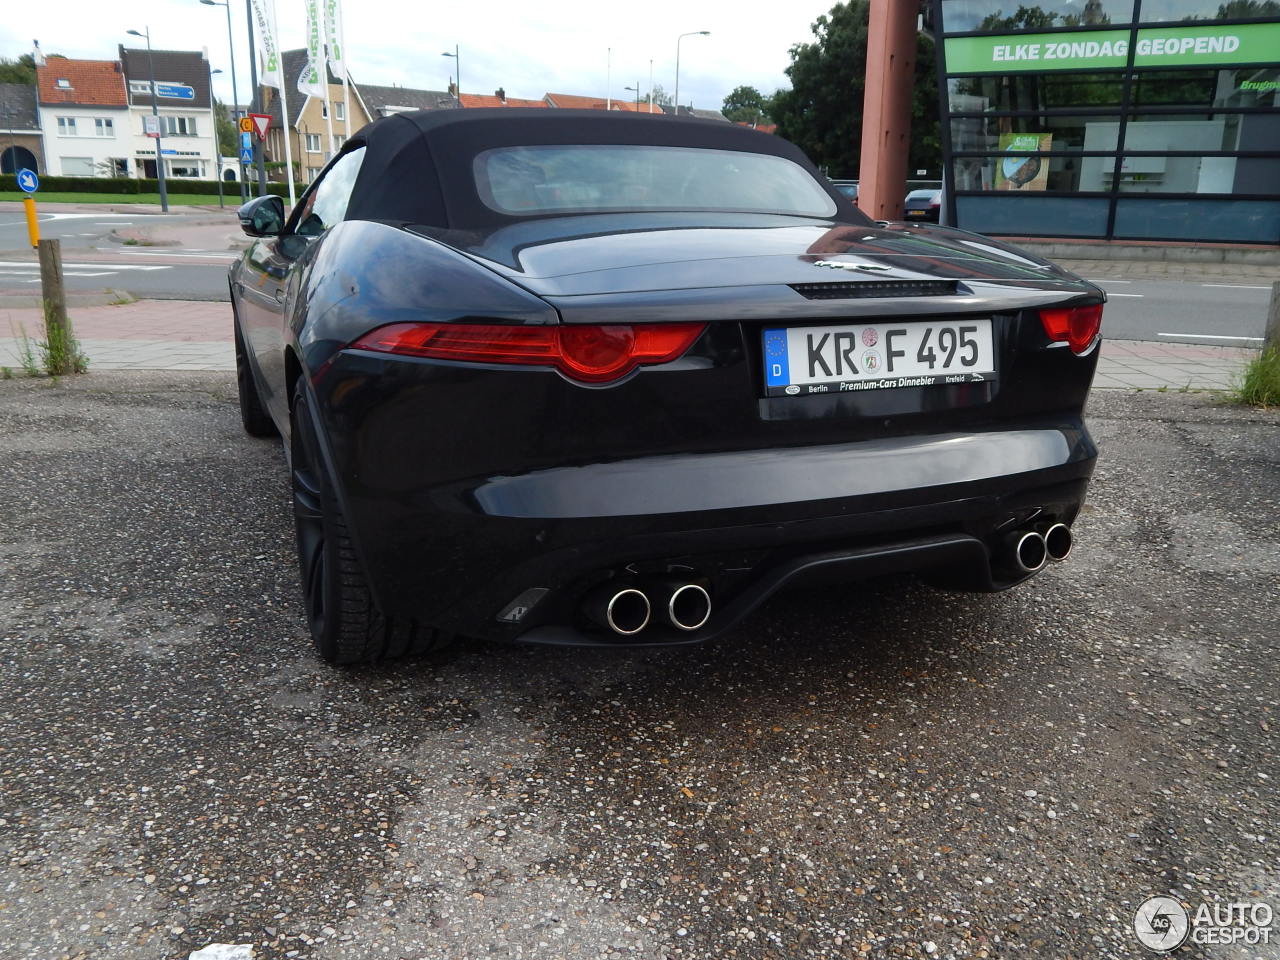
[578,377]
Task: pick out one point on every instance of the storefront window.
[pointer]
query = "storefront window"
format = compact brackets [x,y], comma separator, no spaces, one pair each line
[1247,221]
[1035,91]
[1246,87]
[1239,175]
[1035,173]
[1031,216]
[1154,11]
[1049,132]
[998,16]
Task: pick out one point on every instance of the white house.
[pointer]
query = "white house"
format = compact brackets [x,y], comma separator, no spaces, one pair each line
[188,138]
[84,117]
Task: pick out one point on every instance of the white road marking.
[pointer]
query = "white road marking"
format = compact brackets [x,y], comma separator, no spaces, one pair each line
[183,253]
[27,265]
[1206,336]
[1138,295]
[1106,280]
[1234,286]
[65,273]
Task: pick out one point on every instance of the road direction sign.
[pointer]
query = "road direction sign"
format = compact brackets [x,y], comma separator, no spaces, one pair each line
[261,123]
[246,125]
[175,91]
[28,181]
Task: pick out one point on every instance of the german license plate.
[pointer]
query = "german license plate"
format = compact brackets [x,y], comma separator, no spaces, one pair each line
[917,213]
[877,356]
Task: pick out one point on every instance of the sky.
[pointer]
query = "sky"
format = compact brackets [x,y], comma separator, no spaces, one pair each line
[527,48]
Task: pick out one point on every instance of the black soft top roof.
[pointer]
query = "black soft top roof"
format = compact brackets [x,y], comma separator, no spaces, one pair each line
[418,166]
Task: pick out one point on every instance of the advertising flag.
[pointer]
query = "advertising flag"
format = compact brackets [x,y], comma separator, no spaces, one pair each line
[333,37]
[264,15]
[313,81]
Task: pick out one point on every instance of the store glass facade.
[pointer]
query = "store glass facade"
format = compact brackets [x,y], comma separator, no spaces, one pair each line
[1124,119]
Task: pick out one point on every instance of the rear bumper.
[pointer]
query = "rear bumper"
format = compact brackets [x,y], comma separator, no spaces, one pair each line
[452,532]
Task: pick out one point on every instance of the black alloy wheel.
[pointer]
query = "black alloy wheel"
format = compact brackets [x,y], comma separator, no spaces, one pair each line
[257,422]
[345,623]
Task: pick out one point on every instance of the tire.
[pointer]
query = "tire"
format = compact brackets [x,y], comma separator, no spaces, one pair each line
[257,422]
[345,623]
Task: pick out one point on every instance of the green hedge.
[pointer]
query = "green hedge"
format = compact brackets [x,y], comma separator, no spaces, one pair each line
[128,185]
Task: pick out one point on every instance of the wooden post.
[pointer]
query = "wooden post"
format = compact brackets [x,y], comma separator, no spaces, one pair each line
[57,329]
[1271,339]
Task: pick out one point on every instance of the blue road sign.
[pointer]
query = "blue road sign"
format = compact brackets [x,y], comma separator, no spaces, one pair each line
[28,181]
[246,140]
[246,154]
[175,91]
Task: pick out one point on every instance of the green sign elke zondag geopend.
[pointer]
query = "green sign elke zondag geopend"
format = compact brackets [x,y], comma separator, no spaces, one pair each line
[1205,45]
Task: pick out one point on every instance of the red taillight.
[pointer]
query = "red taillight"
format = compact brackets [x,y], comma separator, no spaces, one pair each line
[586,352]
[1075,326]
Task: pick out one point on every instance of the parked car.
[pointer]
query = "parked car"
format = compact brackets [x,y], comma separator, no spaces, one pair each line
[923,205]
[583,378]
[848,187]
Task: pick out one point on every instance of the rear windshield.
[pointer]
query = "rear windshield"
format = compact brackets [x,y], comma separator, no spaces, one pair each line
[528,181]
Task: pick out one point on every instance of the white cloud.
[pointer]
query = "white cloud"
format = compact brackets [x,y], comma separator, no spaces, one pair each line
[528,48]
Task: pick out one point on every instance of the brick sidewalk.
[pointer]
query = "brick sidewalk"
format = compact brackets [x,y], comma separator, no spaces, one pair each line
[196,335]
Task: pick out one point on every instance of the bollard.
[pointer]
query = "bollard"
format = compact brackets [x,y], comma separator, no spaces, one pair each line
[1271,339]
[33,225]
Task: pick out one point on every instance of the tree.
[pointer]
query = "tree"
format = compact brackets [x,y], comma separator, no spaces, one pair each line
[22,70]
[822,112]
[228,134]
[660,97]
[745,105]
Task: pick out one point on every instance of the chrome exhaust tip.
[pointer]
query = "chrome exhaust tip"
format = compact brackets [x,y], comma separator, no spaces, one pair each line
[1028,551]
[622,609]
[688,607]
[1057,541]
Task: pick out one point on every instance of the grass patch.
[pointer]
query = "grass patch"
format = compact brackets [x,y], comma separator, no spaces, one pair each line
[26,350]
[1260,382]
[175,199]
[59,355]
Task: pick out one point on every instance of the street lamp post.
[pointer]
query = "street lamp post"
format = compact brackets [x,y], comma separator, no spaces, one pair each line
[457,71]
[155,112]
[636,90]
[217,149]
[691,33]
[235,91]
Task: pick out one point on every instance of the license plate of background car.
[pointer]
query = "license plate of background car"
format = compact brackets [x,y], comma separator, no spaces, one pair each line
[877,356]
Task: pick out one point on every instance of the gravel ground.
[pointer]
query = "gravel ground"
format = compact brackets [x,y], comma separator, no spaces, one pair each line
[877,770]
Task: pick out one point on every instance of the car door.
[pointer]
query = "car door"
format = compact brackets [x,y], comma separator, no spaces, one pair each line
[268,280]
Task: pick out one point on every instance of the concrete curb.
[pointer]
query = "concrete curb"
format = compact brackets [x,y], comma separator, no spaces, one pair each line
[101,298]
[1150,253]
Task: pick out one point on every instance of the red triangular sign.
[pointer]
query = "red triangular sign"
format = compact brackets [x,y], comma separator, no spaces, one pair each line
[261,121]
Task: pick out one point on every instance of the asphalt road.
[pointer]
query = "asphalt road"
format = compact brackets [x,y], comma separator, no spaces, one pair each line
[1227,314]
[871,770]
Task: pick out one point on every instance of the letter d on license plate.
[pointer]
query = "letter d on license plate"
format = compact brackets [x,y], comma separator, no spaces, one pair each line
[877,355]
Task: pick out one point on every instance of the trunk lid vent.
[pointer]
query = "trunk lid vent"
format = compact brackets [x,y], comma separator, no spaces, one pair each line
[865,289]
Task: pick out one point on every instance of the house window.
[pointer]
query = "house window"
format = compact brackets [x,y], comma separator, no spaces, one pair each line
[339,111]
[104,127]
[139,86]
[64,83]
[338,141]
[313,143]
[312,173]
[77,167]
[67,128]
[324,110]
[183,171]
[178,126]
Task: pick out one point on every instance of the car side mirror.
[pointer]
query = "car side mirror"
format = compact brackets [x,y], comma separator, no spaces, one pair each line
[262,216]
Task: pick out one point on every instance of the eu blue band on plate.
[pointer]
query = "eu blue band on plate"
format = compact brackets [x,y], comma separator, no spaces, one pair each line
[777,370]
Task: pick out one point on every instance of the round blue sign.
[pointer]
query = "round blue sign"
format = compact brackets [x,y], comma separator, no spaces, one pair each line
[28,181]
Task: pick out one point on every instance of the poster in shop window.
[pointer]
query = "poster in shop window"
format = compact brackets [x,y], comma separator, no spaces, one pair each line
[1018,172]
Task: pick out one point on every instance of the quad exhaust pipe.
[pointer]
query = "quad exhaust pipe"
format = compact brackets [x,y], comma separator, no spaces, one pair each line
[1057,541]
[626,609]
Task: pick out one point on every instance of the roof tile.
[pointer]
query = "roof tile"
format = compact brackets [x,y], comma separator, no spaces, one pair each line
[96,83]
